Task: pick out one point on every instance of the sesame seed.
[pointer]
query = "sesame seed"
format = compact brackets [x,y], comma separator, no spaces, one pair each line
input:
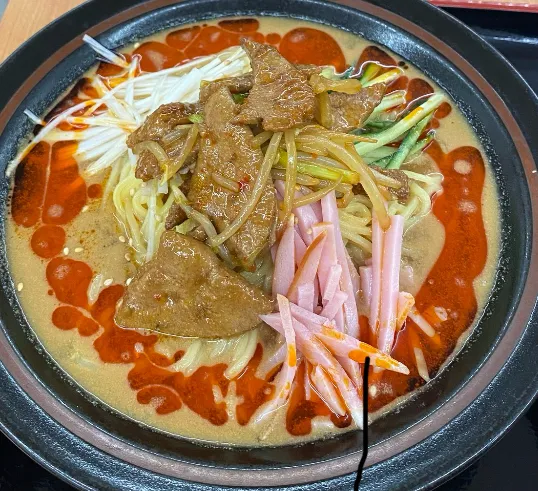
[131,242]
[20,286]
[78,249]
[128,282]
[534,171]
[121,238]
[66,250]
[127,257]
[85,208]
[108,282]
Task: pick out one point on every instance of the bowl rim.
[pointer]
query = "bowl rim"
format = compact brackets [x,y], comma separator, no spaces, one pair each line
[513,343]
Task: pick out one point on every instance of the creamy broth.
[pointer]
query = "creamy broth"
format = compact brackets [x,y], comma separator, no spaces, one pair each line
[93,237]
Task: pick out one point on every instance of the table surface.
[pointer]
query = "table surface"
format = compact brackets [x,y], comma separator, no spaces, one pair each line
[517,452]
[13,32]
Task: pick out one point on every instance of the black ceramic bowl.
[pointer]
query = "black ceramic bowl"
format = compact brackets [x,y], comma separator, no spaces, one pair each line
[462,411]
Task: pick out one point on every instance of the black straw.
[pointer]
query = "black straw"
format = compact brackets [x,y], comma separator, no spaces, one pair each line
[365,423]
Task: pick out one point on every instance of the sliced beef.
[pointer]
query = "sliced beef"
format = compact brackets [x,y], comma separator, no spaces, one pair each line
[147,166]
[199,234]
[186,184]
[174,153]
[187,291]
[226,148]
[402,193]
[309,70]
[236,85]
[280,97]
[243,83]
[160,122]
[163,120]
[175,217]
[350,111]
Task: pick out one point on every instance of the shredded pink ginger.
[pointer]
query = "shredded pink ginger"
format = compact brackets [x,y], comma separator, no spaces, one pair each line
[316,286]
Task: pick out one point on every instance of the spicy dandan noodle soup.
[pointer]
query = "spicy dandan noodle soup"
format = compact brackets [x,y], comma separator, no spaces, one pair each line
[188,189]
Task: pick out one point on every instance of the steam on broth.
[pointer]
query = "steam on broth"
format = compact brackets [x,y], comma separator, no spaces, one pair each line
[335,193]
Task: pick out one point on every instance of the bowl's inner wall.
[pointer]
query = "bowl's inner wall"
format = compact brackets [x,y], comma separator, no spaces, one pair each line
[500,152]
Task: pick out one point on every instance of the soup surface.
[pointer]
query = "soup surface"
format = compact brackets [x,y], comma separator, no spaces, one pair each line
[71,261]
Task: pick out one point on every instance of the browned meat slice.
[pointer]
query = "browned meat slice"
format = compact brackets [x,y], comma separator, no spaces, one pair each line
[199,234]
[402,193]
[309,70]
[147,166]
[187,291]
[175,216]
[186,184]
[243,83]
[280,97]
[174,152]
[158,124]
[226,149]
[163,120]
[350,111]
[236,85]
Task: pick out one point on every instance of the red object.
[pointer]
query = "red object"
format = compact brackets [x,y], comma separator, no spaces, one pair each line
[521,6]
